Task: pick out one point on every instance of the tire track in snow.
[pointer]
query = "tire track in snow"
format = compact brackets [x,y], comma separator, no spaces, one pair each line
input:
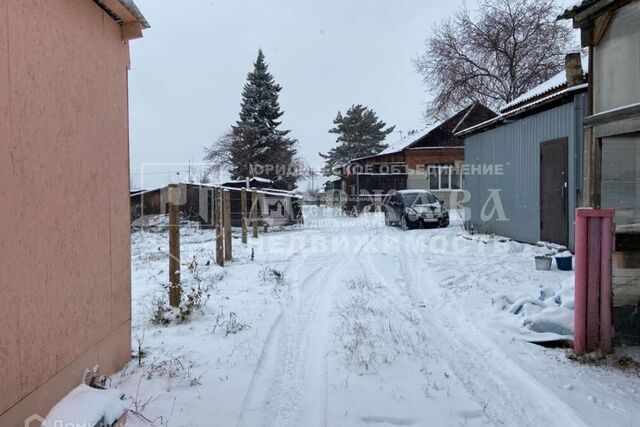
[506,391]
[289,386]
[252,407]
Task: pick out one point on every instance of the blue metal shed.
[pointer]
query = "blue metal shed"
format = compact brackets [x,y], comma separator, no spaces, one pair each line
[508,184]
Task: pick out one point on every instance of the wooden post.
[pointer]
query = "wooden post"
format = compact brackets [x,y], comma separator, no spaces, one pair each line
[214,207]
[597,173]
[228,253]
[219,236]
[592,170]
[254,211]
[243,197]
[174,245]
[587,180]
[299,203]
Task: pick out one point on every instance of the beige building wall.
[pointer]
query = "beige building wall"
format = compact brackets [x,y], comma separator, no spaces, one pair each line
[617,61]
[64,206]
[616,77]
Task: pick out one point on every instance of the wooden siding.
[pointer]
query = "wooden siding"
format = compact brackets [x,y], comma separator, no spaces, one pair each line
[616,61]
[626,279]
[419,158]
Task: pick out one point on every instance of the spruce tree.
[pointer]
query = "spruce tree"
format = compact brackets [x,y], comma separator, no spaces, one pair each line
[360,133]
[256,140]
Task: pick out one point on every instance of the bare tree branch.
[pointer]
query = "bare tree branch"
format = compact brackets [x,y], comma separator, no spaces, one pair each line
[219,155]
[492,56]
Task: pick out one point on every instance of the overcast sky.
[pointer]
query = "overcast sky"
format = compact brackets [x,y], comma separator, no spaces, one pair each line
[188,70]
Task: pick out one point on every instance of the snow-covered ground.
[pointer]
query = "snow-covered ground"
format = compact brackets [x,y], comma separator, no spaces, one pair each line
[346,322]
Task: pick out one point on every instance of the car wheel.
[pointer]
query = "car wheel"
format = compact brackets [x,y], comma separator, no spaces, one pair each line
[405,224]
[386,220]
[443,223]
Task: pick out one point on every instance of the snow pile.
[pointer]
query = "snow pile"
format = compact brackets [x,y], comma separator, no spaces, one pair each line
[86,406]
[548,317]
[564,254]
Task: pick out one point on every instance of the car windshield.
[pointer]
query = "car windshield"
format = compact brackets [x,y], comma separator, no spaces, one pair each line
[418,198]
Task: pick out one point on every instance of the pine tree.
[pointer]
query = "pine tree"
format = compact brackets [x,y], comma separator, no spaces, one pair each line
[256,139]
[360,133]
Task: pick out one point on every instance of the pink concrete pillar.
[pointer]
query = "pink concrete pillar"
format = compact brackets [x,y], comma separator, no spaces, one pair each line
[593,289]
[593,284]
[580,310]
[606,328]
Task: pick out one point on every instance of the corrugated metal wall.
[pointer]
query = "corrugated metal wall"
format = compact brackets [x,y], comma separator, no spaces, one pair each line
[516,148]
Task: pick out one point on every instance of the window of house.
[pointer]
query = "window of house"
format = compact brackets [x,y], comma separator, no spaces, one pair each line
[443,177]
[456,178]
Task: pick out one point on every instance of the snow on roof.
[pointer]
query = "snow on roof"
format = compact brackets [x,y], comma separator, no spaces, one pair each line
[554,83]
[576,7]
[414,191]
[394,146]
[520,109]
[255,178]
[334,178]
[147,190]
[579,3]
[405,141]
[401,144]
[268,192]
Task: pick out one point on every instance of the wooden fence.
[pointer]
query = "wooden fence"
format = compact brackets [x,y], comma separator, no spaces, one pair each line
[273,208]
[249,206]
